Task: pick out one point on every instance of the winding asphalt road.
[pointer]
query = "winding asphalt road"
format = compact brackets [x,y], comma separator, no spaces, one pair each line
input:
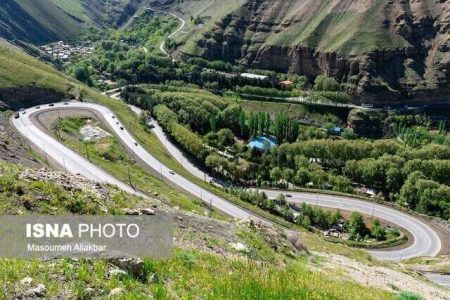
[162,46]
[74,163]
[426,241]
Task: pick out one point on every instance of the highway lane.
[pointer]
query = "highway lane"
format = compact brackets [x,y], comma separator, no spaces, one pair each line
[426,242]
[75,163]
[441,279]
[61,155]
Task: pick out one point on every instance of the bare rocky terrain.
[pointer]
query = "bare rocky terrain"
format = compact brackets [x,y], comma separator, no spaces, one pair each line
[382,277]
[13,148]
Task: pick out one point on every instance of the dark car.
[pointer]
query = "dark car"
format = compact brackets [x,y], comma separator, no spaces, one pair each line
[38,107]
[66,103]
[121,128]
[51,104]
[16,116]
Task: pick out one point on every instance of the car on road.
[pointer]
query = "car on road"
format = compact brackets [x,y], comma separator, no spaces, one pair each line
[52,104]
[172,172]
[113,117]
[24,112]
[66,103]
[288,195]
[22,109]
[38,107]
[136,144]
[16,116]
[121,128]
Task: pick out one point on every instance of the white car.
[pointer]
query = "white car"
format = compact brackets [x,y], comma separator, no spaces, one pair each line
[172,172]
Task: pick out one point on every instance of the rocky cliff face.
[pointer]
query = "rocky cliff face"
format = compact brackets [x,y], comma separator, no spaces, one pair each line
[384,50]
[15,98]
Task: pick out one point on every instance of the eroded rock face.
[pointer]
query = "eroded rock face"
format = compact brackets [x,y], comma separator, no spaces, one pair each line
[386,50]
[15,98]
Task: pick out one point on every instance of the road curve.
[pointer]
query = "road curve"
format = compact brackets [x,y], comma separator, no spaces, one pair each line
[75,163]
[182,24]
[426,241]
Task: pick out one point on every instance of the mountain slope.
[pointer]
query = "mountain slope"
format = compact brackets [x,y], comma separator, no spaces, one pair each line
[384,49]
[41,21]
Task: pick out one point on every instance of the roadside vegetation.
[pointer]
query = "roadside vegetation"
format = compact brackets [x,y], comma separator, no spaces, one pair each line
[352,231]
[216,132]
[107,153]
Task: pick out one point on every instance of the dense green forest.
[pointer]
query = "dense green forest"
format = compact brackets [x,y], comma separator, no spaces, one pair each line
[215,131]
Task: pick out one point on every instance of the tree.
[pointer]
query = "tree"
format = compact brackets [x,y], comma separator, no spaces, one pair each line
[377,231]
[282,199]
[225,137]
[357,227]
[336,217]
[302,177]
[213,123]
[81,72]
[288,175]
[324,83]
[408,194]
[276,174]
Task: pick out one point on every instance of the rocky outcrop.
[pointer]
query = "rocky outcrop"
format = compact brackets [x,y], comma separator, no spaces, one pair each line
[384,51]
[366,123]
[15,98]
[68,182]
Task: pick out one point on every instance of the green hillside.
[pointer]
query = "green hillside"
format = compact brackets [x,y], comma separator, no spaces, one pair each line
[42,21]
[273,267]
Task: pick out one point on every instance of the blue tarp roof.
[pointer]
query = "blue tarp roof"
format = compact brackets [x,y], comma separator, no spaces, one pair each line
[262,142]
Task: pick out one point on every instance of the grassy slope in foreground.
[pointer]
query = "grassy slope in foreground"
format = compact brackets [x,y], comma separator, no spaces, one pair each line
[187,274]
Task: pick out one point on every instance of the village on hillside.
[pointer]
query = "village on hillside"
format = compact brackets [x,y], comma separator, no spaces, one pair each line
[64,50]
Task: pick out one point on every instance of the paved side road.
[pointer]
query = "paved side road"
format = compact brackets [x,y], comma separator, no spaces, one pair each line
[162,46]
[426,243]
